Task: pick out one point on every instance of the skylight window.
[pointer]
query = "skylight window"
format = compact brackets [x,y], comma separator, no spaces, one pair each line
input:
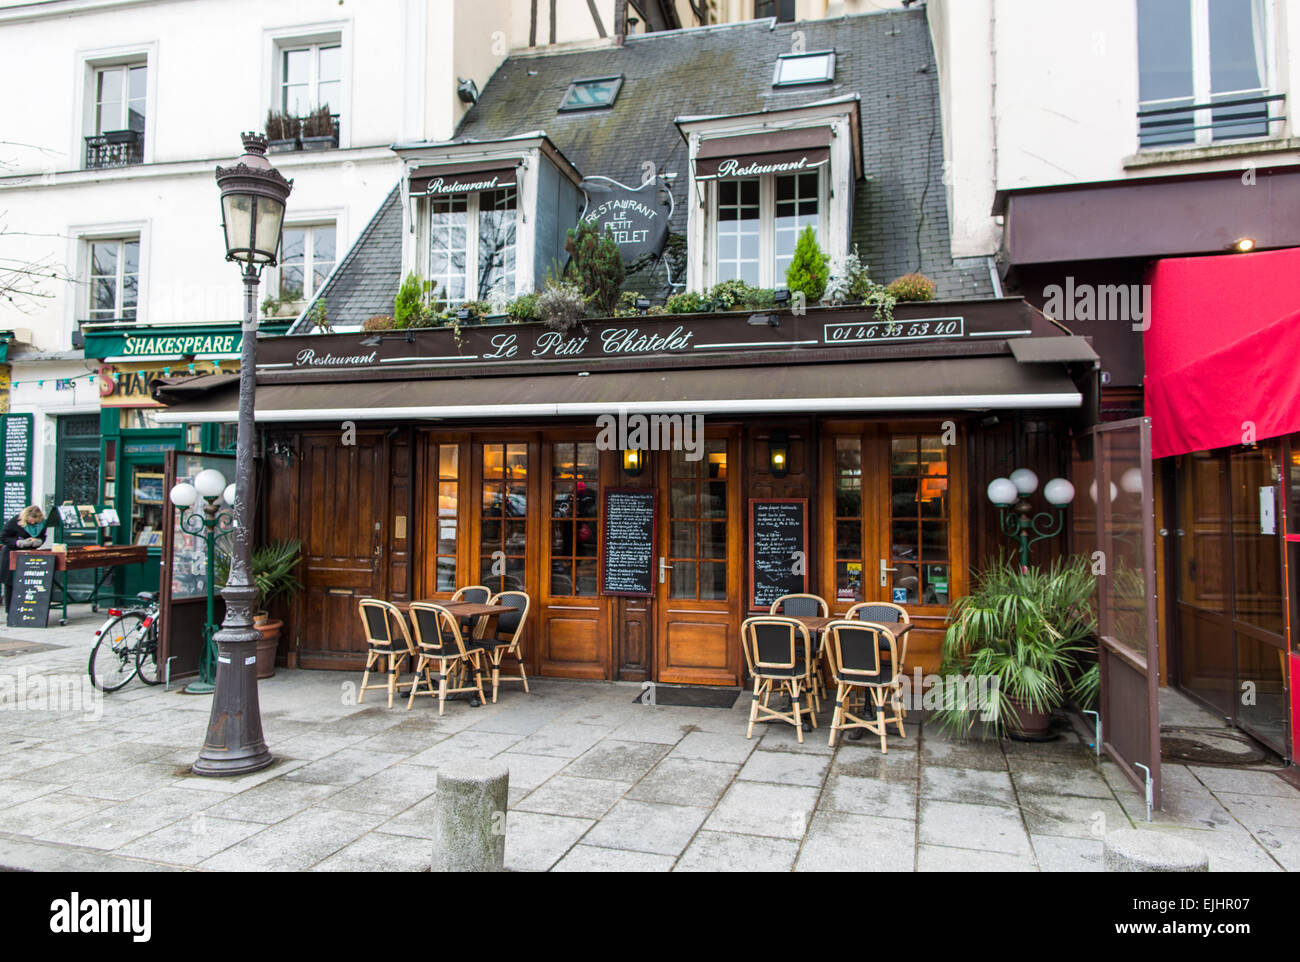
[793,69]
[591,94]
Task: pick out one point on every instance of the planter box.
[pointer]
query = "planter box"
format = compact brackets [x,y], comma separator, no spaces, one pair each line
[328,142]
[282,146]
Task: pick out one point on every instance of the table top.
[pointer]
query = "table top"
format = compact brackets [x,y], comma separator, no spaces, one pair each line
[461,609]
[819,624]
[88,556]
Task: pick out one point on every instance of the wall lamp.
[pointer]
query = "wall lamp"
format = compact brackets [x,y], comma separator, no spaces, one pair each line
[778,453]
[1242,245]
[633,462]
[781,296]
[764,320]
[1016,515]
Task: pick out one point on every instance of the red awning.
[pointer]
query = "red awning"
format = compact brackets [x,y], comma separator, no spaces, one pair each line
[777,151]
[1221,351]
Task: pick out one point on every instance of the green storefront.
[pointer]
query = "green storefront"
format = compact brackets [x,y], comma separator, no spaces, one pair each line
[134,446]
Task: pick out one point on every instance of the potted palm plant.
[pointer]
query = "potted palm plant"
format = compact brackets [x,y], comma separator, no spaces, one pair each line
[274,569]
[1025,632]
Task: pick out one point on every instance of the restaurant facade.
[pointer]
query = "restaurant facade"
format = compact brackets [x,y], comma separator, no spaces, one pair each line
[651,479]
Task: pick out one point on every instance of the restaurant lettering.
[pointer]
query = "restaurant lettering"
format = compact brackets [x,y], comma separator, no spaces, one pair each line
[618,341]
[731,167]
[440,185]
[308,358]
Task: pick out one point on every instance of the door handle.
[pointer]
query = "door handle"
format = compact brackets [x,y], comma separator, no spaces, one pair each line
[663,566]
[884,579]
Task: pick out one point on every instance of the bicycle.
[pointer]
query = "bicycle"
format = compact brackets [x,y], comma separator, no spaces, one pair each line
[126,646]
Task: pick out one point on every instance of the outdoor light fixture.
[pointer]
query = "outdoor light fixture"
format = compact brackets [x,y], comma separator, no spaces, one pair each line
[253,196]
[778,453]
[633,462]
[1016,515]
[781,296]
[643,304]
[467,91]
[202,516]
[374,340]
[463,314]
[764,320]
[1243,245]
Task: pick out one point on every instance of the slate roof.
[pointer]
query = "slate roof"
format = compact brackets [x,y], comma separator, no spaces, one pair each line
[900,221]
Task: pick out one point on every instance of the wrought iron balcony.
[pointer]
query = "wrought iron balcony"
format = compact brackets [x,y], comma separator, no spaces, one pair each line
[115,148]
[1230,118]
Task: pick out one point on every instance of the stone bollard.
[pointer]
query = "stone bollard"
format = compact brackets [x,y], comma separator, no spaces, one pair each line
[1139,850]
[470,821]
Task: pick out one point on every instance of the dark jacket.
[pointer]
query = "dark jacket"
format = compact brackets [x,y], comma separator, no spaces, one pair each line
[10,535]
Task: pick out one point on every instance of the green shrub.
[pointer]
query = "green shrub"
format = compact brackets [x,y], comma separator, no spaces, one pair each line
[687,302]
[561,305]
[522,309]
[596,265]
[378,322]
[810,269]
[912,287]
[413,306]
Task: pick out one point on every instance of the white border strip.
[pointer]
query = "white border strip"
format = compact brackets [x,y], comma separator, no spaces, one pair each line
[594,408]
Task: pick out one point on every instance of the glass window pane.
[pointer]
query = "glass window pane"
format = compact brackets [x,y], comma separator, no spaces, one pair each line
[682,576]
[848,497]
[330,63]
[713,581]
[131,257]
[329,95]
[103,259]
[108,100]
[103,294]
[562,578]
[496,243]
[585,574]
[848,456]
[291,281]
[713,540]
[684,543]
[448,458]
[903,455]
[1164,49]
[848,539]
[1238,45]
[297,66]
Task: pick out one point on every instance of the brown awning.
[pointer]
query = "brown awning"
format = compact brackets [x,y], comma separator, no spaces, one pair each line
[1066,349]
[771,152]
[441,179]
[948,384]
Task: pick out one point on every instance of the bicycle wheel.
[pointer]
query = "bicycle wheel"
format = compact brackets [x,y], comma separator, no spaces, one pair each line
[146,657]
[112,660]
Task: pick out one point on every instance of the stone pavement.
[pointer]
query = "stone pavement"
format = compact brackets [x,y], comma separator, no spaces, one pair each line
[597,782]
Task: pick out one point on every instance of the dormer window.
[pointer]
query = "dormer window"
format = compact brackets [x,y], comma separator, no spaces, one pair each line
[591,94]
[797,69]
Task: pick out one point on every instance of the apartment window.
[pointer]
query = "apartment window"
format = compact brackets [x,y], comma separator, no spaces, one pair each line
[591,94]
[783,10]
[472,244]
[758,221]
[1204,72]
[114,279]
[116,137]
[306,259]
[311,77]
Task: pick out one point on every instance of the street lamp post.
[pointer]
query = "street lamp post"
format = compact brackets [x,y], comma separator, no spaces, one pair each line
[253,195]
[1016,516]
[204,522]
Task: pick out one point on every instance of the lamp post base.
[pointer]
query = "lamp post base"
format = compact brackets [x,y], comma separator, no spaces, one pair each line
[234,743]
[200,688]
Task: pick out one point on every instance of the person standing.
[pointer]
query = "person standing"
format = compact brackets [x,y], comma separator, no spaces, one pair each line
[25,530]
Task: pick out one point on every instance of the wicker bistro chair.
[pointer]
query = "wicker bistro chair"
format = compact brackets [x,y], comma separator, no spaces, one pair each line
[475,595]
[884,613]
[855,651]
[806,606]
[440,644]
[389,644]
[508,638]
[778,652]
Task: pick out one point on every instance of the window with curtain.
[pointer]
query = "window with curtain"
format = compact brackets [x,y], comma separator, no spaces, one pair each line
[1210,57]
[759,220]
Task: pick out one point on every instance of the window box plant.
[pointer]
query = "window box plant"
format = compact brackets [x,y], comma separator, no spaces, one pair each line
[282,132]
[319,131]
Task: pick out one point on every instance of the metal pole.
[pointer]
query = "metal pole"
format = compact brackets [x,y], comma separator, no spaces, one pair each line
[234,743]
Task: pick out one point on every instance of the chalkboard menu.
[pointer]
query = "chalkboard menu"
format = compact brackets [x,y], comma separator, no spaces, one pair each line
[627,544]
[17,461]
[778,549]
[33,582]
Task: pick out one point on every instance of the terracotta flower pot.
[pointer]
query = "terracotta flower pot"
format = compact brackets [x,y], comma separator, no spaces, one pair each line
[266,648]
[1026,724]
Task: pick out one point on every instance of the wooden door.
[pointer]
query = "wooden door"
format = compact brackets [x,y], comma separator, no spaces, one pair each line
[894,505]
[574,640]
[342,511]
[699,591]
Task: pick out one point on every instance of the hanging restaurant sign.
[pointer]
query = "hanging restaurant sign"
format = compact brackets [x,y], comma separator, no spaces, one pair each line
[635,216]
[771,152]
[444,179]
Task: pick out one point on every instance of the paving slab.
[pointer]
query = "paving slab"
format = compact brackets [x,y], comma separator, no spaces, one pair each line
[111,828]
[786,768]
[1254,811]
[726,852]
[757,808]
[380,852]
[983,755]
[536,841]
[869,796]
[685,781]
[841,842]
[295,844]
[939,858]
[973,785]
[271,801]
[388,792]
[561,738]
[589,858]
[991,828]
[188,841]
[580,797]
[1070,816]
[1085,782]
[647,827]
[1056,853]
[617,760]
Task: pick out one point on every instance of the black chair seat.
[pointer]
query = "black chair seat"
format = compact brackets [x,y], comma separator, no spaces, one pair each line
[796,672]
